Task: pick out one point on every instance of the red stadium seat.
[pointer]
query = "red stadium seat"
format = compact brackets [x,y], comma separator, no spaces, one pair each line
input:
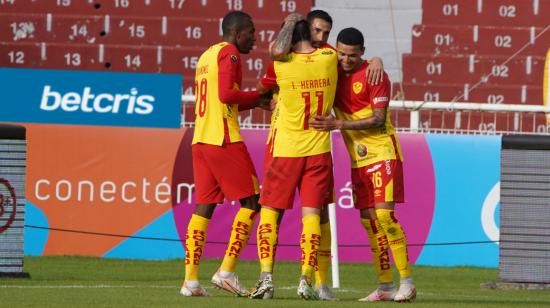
[52,28]
[52,56]
[445,68]
[479,40]
[128,30]
[507,13]
[176,8]
[20,55]
[484,93]
[121,58]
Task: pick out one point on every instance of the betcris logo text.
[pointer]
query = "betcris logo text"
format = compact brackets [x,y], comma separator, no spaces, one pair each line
[90,98]
[86,101]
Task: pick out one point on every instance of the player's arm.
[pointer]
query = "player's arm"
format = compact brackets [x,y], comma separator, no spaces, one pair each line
[283,43]
[377,119]
[268,82]
[229,64]
[379,98]
[375,71]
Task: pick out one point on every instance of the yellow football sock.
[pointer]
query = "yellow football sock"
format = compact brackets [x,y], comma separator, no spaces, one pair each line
[240,234]
[379,248]
[194,244]
[310,241]
[396,239]
[323,256]
[267,238]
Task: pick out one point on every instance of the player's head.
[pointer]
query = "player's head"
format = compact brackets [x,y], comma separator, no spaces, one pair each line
[238,29]
[320,24]
[301,32]
[350,46]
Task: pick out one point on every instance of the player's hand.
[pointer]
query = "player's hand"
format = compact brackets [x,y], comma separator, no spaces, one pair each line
[326,123]
[375,71]
[294,18]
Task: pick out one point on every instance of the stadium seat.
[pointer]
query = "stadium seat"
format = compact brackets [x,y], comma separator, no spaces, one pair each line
[462,68]
[509,13]
[400,118]
[481,122]
[22,28]
[119,58]
[484,93]
[129,30]
[47,6]
[52,56]
[176,8]
[21,55]
[56,28]
[472,39]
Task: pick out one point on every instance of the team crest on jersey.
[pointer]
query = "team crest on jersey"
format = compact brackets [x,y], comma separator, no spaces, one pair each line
[234,58]
[357,87]
[361,149]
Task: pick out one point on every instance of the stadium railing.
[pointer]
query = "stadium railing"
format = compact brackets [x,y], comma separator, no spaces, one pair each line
[432,117]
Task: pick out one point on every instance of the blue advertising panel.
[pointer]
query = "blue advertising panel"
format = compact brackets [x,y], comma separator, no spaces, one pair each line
[90,98]
[464,229]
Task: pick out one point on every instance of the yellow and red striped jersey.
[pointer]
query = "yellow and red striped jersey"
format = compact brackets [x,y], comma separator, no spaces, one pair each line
[307,85]
[356,99]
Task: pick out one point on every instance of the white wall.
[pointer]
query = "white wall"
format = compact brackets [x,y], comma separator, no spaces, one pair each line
[374,18]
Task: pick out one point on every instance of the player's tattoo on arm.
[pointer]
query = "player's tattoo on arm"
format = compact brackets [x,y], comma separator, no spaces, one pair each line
[283,42]
[281,47]
[376,120]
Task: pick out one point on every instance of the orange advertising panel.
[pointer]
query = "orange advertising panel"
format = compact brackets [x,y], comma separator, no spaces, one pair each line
[130,189]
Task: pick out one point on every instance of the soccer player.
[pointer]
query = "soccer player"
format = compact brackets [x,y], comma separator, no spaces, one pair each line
[300,156]
[320,27]
[221,162]
[363,116]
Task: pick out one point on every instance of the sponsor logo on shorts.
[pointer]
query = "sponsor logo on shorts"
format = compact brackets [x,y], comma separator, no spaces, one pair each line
[361,149]
[374,168]
[378,193]
[380,99]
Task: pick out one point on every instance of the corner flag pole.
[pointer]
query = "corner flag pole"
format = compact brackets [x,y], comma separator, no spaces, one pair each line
[334,245]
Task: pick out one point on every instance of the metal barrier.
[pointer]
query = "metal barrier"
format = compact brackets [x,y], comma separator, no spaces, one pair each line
[13,161]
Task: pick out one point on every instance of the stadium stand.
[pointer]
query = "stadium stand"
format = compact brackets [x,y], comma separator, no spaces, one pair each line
[461,43]
[485,51]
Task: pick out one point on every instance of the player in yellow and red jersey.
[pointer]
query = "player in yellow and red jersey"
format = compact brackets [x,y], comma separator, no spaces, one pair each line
[363,116]
[221,162]
[320,26]
[300,155]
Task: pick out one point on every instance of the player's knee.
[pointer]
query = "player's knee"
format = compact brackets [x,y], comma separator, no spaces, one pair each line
[251,203]
[205,210]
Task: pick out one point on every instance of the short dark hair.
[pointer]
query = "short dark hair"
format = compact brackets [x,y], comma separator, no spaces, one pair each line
[301,32]
[351,36]
[319,14]
[235,21]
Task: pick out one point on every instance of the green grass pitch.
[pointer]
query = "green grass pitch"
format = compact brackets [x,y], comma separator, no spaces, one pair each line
[95,282]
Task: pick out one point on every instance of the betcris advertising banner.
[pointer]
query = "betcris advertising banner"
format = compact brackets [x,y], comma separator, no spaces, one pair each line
[129,193]
[90,98]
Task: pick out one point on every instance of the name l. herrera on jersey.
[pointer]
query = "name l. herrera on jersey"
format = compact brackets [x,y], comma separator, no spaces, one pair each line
[87,101]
